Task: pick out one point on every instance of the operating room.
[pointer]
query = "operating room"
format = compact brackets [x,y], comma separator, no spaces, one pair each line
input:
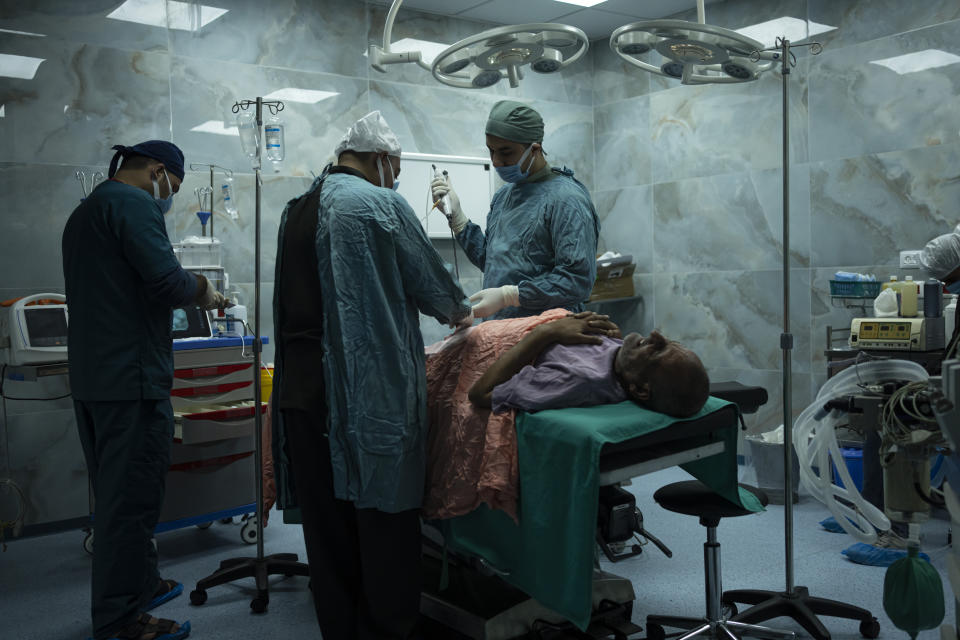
[686,180]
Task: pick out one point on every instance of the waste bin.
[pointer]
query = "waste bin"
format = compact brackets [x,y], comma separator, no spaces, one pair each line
[766,450]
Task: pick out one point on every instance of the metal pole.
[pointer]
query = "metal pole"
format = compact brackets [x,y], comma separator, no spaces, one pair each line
[786,340]
[257,346]
[212,196]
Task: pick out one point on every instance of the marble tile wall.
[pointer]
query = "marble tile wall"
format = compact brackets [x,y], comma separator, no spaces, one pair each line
[92,80]
[689,180]
[686,179]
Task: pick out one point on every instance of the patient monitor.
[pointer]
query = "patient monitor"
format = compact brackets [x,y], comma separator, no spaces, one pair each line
[37,329]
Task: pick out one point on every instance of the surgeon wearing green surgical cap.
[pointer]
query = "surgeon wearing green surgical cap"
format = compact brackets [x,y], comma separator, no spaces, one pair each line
[539,249]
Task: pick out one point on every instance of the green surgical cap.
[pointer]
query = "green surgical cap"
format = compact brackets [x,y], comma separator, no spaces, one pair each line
[515,121]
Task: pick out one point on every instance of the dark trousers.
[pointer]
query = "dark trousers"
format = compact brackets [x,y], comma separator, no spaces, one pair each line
[364,564]
[127,448]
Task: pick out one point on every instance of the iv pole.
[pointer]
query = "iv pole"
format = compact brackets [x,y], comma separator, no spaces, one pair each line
[796,602]
[196,166]
[261,567]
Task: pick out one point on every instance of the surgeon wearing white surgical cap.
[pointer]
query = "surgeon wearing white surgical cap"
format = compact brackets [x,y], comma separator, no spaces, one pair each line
[354,270]
[941,259]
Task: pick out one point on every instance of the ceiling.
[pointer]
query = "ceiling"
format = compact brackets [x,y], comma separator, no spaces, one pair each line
[597,22]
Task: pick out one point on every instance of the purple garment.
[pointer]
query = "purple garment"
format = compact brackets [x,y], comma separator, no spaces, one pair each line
[564,376]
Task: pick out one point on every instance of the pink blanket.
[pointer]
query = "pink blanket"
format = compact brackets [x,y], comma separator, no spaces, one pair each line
[471,452]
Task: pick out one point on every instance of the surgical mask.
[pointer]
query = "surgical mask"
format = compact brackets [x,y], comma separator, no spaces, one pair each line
[396,183]
[513,172]
[165,203]
[954,287]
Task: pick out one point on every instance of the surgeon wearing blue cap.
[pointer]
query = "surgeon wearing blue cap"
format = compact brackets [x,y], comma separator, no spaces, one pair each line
[539,249]
[122,284]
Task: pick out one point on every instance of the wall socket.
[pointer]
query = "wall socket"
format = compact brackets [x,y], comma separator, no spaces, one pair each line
[910,259]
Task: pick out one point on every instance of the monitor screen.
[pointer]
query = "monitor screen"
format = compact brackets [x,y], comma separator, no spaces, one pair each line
[191,322]
[46,327]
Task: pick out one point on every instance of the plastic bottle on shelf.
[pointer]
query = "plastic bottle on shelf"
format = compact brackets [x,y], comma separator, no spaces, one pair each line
[273,135]
[950,316]
[891,284]
[908,298]
[228,202]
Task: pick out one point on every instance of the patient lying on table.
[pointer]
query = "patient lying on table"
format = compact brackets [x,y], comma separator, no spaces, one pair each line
[539,362]
[580,360]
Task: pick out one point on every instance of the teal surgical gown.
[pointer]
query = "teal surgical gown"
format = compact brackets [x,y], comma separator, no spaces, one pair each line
[377,270]
[541,236]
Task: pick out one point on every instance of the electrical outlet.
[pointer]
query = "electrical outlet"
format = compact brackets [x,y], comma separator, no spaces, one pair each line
[910,259]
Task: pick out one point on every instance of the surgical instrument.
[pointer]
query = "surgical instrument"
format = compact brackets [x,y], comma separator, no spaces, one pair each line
[445,200]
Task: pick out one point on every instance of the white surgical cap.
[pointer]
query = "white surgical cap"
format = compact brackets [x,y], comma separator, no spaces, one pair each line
[941,256]
[370,133]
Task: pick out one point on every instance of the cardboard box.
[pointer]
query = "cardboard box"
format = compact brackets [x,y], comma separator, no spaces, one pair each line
[612,271]
[611,288]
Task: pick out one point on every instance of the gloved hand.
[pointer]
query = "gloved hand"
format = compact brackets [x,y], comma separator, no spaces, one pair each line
[207,296]
[457,219]
[465,323]
[487,302]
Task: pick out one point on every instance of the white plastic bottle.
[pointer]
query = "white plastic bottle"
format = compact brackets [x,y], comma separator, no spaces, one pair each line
[273,135]
[950,317]
[228,202]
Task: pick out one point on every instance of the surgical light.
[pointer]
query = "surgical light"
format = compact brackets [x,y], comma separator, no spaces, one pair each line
[694,52]
[486,58]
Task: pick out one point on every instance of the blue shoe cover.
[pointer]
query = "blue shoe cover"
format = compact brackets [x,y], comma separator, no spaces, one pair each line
[863,553]
[166,597]
[179,634]
[831,525]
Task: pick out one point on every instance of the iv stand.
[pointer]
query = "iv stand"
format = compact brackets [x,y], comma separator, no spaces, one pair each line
[796,602]
[261,567]
[196,166]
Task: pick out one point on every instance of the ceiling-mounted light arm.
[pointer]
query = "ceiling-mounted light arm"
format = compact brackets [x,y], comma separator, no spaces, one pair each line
[380,56]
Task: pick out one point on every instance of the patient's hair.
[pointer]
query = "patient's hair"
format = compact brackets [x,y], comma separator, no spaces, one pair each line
[679,389]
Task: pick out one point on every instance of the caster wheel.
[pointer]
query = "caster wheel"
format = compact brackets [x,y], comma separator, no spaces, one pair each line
[198,597]
[204,525]
[259,604]
[226,520]
[655,632]
[729,610]
[248,532]
[88,543]
[870,628]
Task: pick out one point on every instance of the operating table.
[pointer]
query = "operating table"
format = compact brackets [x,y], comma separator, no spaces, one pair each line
[490,578]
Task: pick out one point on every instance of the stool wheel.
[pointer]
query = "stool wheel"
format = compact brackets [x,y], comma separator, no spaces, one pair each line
[655,632]
[870,628]
[730,610]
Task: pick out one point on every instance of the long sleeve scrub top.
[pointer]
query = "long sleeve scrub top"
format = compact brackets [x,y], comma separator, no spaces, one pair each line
[541,236]
[122,283]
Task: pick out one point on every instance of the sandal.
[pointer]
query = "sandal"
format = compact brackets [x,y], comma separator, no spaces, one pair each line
[146,627]
[168,590]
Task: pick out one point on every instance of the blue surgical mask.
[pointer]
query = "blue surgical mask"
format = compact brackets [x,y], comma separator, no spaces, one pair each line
[165,203]
[513,172]
[954,287]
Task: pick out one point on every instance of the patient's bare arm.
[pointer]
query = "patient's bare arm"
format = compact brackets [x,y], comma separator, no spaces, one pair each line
[582,328]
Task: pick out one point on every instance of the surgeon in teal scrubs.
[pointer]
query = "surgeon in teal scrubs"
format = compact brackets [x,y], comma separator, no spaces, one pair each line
[539,250]
[122,284]
[354,270]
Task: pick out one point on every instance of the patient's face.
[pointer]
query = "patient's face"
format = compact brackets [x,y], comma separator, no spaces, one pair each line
[642,357]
